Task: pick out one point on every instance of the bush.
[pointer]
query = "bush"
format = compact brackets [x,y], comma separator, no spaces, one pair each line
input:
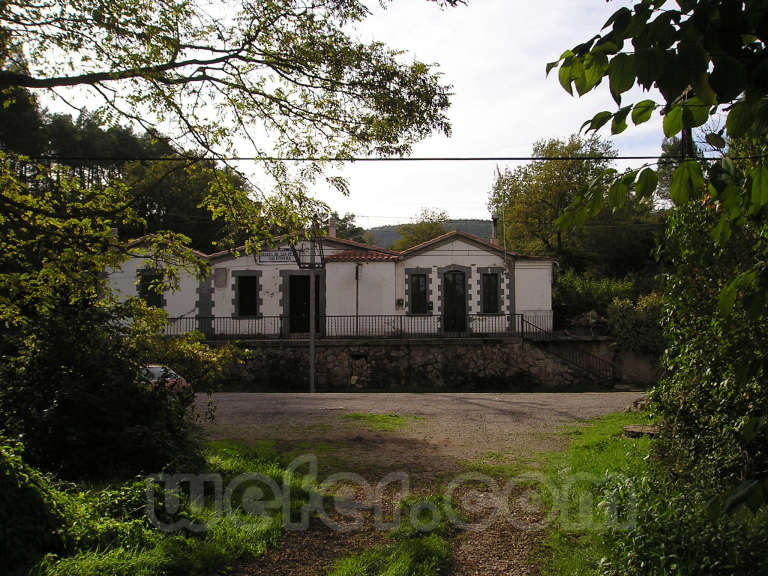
[637,325]
[206,368]
[676,533]
[574,295]
[73,396]
[31,518]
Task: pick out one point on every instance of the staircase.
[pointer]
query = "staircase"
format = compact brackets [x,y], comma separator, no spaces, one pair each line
[597,369]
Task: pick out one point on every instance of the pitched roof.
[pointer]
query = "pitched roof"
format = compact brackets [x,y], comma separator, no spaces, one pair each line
[147,237]
[362,256]
[354,244]
[471,238]
[453,234]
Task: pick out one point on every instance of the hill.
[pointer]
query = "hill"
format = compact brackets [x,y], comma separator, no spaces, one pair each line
[388,235]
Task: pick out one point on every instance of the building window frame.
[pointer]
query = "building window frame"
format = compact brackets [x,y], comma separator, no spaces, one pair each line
[258,302]
[151,297]
[411,274]
[485,307]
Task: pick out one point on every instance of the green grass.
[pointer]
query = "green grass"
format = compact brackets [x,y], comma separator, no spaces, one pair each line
[598,456]
[498,464]
[111,536]
[419,546]
[380,422]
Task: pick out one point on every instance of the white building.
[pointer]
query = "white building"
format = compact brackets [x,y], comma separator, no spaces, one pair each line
[454,284]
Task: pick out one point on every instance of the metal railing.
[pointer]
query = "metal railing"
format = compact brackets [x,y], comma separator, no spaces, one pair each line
[600,369]
[362,326]
[597,368]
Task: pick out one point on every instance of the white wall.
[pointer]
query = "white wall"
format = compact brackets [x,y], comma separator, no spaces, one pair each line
[376,288]
[457,252]
[179,302]
[533,290]
[380,284]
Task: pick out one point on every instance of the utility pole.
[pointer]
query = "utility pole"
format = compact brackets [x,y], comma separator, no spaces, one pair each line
[312,313]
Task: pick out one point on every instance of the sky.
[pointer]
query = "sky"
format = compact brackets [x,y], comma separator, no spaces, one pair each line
[493,53]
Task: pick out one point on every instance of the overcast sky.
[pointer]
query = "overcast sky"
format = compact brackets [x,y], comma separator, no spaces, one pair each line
[493,53]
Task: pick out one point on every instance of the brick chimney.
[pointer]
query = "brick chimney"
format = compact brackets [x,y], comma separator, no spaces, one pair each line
[332,228]
[494,229]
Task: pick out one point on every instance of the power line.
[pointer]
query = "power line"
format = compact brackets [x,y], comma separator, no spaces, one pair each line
[655,157]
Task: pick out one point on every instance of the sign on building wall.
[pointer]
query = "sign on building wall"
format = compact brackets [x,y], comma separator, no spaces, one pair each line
[284,255]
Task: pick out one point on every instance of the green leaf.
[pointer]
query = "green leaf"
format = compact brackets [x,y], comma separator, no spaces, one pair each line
[728,78]
[642,111]
[704,91]
[619,123]
[646,184]
[564,76]
[696,112]
[673,121]
[617,193]
[595,67]
[599,120]
[759,176]
[722,232]
[739,120]
[715,140]
[687,181]
[621,74]
[552,65]
[728,297]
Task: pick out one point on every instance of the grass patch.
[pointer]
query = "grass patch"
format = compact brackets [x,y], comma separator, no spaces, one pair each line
[381,422]
[418,546]
[498,464]
[107,530]
[589,474]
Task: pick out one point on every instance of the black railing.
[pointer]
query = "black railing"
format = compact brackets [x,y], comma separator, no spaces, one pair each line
[600,369]
[597,368]
[362,326]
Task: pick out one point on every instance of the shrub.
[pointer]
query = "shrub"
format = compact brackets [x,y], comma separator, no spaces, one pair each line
[72,395]
[676,533]
[205,367]
[637,325]
[574,295]
[31,518]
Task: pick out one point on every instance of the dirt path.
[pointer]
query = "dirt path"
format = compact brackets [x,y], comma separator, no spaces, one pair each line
[439,438]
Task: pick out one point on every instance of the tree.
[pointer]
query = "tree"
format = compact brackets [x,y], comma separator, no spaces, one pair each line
[430,223]
[531,197]
[287,76]
[705,57]
[172,195]
[346,227]
[671,155]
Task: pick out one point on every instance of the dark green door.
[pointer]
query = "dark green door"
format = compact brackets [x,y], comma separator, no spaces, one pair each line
[298,290]
[298,296]
[454,302]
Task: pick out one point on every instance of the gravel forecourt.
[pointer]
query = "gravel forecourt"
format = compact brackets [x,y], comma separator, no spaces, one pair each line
[434,439]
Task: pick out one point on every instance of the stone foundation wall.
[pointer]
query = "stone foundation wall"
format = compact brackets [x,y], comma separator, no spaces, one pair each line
[499,364]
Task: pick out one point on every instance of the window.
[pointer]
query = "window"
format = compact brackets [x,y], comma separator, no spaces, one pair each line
[247,292]
[490,293]
[148,288]
[418,293]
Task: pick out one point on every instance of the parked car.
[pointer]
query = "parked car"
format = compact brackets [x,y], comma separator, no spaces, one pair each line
[155,374]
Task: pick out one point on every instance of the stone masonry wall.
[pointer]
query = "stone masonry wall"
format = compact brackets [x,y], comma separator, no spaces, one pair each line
[499,364]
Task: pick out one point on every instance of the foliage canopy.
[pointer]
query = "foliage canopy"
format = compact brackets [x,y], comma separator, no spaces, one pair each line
[430,223]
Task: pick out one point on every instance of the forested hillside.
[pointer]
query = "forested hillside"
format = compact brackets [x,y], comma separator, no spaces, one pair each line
[388,235]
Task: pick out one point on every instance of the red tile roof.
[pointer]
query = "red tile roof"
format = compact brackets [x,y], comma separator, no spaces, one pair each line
[361,256]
